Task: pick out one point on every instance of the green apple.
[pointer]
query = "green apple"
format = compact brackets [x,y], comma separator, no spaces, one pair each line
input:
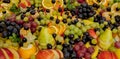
[45,37]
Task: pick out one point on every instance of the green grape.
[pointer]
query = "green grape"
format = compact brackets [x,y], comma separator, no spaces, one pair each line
[59,38]
[91,18]
[72,32]
[75,36]
[94,41]
[105,23]
[93,25]
[112,21]
[87,27]
[114,30]
[1,43]
[25,19]
[101,25]
[64,16]
[47,21]
[18,18]
[48,16]
[79,32]
[27,14]
[67,32]
[101,31]
[84,29]
[98,33]
[60,47]
[97,25]
[71,27]
[15,44]
[78,24]
[76,29]
[42,21]
[67,40]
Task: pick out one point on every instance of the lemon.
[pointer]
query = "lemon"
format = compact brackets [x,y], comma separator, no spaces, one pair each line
[47,4]
[27,52]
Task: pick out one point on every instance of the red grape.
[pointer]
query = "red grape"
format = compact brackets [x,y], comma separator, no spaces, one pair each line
[87,55]
[12,18]
[33,30]
[27,24]
[80,44]
[83,49]
[117,44]
[80,54]
[30,18]
[76,47]
[34,24]
[20,22]
[90,50]
[81,1]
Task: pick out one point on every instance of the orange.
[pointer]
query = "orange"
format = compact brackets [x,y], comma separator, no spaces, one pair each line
[27,52]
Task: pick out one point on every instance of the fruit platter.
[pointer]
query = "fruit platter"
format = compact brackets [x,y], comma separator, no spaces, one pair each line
[59,29]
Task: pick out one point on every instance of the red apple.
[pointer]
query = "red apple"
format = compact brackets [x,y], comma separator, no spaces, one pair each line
[107,55]
[15,53]
[45,54]
[49,54]
[2,56]
[9,53]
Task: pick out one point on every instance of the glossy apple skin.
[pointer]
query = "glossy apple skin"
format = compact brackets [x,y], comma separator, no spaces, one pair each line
[107,55]
[45,54]
[2,56]
[9,53]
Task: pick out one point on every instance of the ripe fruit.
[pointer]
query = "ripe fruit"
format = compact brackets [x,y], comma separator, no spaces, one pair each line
[117,52]
[49,54]
[45,38]
[105,40]
[27,52]
[92,33]
[8,53]
[117,44]
[107,55]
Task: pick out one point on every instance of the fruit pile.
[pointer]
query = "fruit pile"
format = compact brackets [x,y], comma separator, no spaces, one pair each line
[59,29]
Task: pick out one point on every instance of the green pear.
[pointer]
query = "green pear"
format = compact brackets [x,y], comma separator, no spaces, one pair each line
[45,37]
[106,39]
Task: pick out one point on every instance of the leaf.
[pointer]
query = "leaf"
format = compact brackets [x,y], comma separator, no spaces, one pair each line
[14,8]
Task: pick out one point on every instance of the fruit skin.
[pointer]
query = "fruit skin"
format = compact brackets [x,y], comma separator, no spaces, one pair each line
[49,54]
[45,38]
[2,56]
[105,40]
[117,52]
[95,53]
[24,3]
[8,53]
[92,33]
[107,55]
[26,53]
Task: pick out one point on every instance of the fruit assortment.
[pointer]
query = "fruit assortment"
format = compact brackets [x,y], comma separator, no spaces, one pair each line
[59,29]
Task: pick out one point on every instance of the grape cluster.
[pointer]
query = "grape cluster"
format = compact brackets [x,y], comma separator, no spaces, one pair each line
[85,11]
[82,51]
[7,28]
